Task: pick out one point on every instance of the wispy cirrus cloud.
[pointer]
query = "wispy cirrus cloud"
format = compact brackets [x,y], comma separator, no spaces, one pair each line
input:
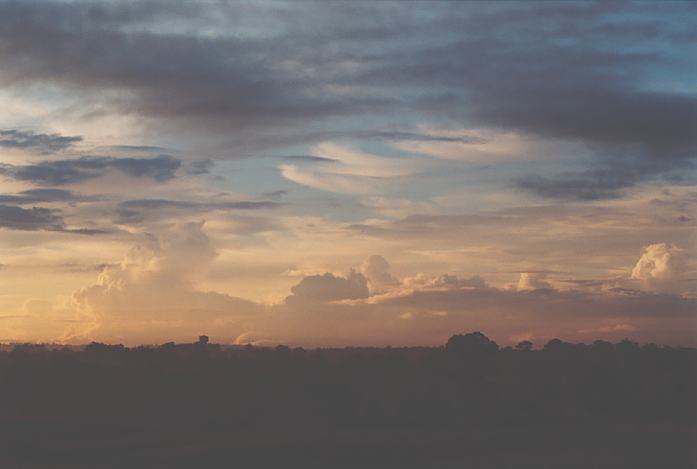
[338,168]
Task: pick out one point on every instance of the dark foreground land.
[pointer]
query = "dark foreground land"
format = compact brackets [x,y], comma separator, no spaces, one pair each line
[466,405]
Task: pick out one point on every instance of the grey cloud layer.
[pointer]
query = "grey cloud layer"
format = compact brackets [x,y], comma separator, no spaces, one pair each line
[38,143]
[573,71]
[72,171]
[44,195]
[37,218]
[597,184]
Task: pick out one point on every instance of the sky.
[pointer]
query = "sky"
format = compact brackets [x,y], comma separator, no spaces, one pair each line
[347,173]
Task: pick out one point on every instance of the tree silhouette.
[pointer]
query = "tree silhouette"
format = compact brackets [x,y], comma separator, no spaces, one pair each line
[474,344]
[524,346]
[466,405]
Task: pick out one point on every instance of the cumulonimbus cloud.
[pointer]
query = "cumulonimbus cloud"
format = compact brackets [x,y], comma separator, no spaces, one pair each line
[661,267]
[155,294]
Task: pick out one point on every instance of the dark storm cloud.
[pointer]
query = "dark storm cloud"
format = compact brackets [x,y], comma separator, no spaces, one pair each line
[37,218]
[38,143]
[61,172]
[33,196]
[586,72]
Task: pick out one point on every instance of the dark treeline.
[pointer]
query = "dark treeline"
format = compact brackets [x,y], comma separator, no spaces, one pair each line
[467,404]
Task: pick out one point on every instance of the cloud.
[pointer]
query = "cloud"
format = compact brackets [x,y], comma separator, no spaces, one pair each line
[441,226]
[427,310]
[167,203]
[376,269]
[508,67]
[311,159]
[199,167]
[422,282]
[250,225]
[44,195]
[417,137]
[35,218]
[328,287]
[560,305]
[609,180]
[347,170]
[398,136]
[46,44]
[62,172]
[275,195]
[621,328]
[330,182]
[38,218]
[153,293]
[141,210]
[661,267]
[497,71]
[396,207]
[608,97]
[37,307]
[609,233]
[533,281]
[36,142]
[582,186]
[134,150]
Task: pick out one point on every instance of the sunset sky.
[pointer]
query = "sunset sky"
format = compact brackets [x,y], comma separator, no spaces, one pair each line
[347,173]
